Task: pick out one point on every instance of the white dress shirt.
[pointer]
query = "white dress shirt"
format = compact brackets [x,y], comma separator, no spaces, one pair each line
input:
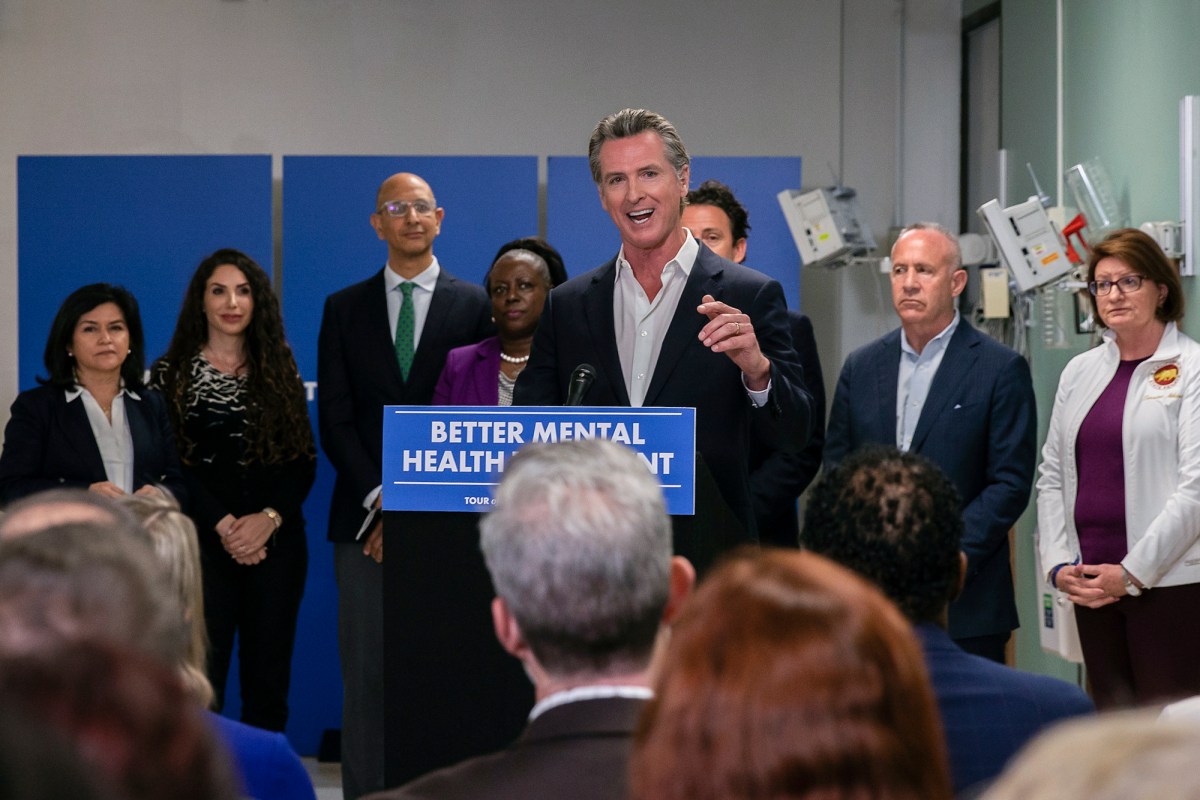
[641,324]
[422,296]
[113,438]
[597,692]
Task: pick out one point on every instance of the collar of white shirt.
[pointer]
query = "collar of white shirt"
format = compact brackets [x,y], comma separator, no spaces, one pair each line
[76,390]
[426,279]
[685,259]
[578,693]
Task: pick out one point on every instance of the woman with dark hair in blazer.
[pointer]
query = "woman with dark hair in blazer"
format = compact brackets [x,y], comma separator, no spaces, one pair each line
[91,424]
[238,406]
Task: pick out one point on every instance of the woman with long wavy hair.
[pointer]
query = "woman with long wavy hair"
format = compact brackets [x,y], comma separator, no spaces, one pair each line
[238,405]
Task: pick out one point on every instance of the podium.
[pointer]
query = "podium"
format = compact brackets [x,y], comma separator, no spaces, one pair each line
[451,692]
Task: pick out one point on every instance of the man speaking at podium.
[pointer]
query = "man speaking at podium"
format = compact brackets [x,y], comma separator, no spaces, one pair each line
[669,323]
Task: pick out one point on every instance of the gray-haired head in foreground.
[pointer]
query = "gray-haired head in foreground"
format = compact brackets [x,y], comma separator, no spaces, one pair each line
[579,548]
[90,579]
[60,506]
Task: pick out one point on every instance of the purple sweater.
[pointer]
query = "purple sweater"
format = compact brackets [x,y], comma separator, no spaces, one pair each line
[1100,461]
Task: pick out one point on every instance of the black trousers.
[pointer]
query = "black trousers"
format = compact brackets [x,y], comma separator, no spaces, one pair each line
[259,605]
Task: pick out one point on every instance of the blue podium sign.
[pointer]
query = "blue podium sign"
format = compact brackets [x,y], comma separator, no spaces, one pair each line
[450,458]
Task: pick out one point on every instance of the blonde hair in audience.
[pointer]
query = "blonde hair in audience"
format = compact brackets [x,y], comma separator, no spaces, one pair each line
[1126,755]
[175,545]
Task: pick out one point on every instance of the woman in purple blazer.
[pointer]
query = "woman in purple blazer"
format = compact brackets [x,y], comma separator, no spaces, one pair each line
[483,374]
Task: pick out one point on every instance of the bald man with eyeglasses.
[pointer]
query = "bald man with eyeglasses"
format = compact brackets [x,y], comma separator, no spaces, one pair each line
[383,341]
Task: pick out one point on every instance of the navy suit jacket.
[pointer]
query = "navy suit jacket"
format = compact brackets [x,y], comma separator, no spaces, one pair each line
[577,328]
[49,444]
[778,477]
[357,375]
[990,711]
[979,424]
[578,750]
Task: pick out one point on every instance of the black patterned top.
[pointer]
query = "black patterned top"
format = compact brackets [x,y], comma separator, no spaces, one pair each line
[221,474]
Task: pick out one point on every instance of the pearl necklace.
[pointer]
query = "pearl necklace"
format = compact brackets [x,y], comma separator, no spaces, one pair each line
[513,359]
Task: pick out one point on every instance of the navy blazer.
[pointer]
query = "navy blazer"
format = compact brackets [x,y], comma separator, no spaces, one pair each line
[578,750]
[49,444]
[576,327]
[988,710]
[357,375]
[979,424]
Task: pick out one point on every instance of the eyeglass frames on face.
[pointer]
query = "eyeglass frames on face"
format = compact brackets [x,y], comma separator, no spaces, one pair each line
[1125,285]
[399,208]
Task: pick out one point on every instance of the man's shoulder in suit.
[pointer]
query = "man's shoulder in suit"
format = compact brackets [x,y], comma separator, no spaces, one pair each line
[356,291]
[578,750]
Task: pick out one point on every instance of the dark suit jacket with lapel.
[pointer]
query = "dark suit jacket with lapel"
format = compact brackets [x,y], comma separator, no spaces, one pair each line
[778,477]
[577,328]
[357,375]
[49,444]
[979,424]
[578,750]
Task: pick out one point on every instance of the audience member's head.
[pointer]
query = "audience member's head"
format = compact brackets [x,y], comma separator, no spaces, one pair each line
[38,762]
[715,217]
[86,580]
[895,519]
[579,549]
[1118,756]
[787,676]
[60,506]
[173,535]
[127,715]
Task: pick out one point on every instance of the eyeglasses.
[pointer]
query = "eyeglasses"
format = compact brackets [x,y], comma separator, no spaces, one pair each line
[399,208]
[1125,285]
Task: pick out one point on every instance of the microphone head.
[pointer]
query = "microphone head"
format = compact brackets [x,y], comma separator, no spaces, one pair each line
[584,371]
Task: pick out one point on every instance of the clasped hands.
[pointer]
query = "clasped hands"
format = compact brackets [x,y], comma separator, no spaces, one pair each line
[1092,585]
[729,331]
[245,538]
[110,489]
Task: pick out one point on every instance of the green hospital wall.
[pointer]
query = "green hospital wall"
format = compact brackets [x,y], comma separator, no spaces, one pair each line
[1126,65]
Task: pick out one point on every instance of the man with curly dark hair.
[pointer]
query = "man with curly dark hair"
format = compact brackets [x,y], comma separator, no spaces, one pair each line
[894,518]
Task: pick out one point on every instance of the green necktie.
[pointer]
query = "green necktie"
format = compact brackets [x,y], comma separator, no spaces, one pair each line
[405,326]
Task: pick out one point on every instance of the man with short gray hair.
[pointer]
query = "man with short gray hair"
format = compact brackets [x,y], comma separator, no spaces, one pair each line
[940,388]
[579,549]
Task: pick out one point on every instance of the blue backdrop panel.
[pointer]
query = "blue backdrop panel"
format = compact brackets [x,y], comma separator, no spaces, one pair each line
[586,236]
[328,243]
[141,221]
[144,222]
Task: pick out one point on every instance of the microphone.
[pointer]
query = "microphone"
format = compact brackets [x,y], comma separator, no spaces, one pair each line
[581,381]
